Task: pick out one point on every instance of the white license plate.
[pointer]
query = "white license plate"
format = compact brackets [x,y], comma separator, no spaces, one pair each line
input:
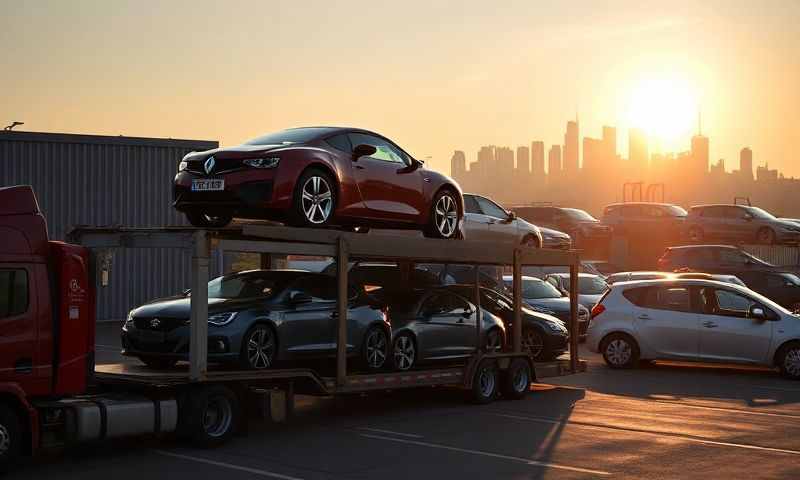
[149,336]
[208,184]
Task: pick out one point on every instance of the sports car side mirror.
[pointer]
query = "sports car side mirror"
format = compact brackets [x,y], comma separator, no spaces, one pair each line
[757,313]
[297,298]
[511,217]
[363,150]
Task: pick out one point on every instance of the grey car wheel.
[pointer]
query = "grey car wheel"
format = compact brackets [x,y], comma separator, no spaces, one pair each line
[259,347]
[317,199]
[533,343]
[404,352]
[620,351]
[376,345]
[444,217]
[790,361]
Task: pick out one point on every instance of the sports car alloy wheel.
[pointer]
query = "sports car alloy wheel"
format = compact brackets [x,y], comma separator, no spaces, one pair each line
[376,348]
[317,200]
[261,348]
[404,352]
[618,352]
[791,362]
[446,216]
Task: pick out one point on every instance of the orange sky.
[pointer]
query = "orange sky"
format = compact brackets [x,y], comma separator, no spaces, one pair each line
[435,76]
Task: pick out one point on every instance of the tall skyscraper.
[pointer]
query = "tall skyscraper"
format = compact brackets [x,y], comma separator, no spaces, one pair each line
[523,160]
[637,149]
[571,159]
[485,162]
[746,164]
[537,158]
[554,167]
[594,155]
[699,156]
[458,165]
[609,144]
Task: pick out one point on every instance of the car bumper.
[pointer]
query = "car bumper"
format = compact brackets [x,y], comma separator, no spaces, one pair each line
[175,345]
[244,192]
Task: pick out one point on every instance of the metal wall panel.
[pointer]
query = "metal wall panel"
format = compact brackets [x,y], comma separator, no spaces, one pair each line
[782,255]
[100,180]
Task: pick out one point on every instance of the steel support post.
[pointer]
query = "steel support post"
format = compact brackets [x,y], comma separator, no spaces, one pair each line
[478,315]
[341,311]
[198,328]
[573,319]
[516,334]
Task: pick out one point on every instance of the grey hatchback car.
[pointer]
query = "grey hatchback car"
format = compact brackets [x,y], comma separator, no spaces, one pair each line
[259,317]
[738,224]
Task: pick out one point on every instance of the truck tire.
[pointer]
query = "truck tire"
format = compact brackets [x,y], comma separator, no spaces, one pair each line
[485,382]
[209,415]
[10,437]
[516,381]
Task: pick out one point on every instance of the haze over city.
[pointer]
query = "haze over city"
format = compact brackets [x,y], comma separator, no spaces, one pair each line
[435,76]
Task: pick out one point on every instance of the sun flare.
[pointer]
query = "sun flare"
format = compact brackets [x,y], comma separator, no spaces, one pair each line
[666,108]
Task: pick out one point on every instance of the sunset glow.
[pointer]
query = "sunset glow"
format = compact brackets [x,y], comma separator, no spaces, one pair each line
[666,108]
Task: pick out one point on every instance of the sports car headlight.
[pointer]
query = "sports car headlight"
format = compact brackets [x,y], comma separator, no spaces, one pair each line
[182,166]
[129,320]
[556,327]
[269,162]
[220,319]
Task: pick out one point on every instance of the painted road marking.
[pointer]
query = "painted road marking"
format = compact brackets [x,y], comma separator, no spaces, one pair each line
[231,466]
[489,454]
[726,409]
[390,432]
[678,436]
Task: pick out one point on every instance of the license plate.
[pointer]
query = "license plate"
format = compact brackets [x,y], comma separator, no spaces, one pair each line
[148,336]
[208,184]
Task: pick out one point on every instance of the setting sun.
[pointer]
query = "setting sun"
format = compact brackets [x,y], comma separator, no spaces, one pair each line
[666,109]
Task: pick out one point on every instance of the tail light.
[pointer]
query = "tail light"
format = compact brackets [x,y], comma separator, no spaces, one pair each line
[598,309]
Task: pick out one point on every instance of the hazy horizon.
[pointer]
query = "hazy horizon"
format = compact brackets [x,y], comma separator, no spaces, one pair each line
[434,76]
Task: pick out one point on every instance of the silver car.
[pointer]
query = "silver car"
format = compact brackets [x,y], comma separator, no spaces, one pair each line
[485,220]
[738,223]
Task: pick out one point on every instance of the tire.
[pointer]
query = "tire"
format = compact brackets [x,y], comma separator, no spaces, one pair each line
[210,415]
[493,341]
[259,348]
[201,220]
[315,199]
[444,216]
[534,345]
[375,349]
[766,236]
[620,351]
[696,234]
[485,382]
[11,435]
[516,381]
[158,363]
[404,352]
[789,360]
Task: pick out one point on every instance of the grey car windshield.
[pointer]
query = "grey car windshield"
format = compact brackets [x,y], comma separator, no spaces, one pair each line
[761,213]
[248,285]
[285,137]
[591,286]
[577,214]
[676,211]
[539,289]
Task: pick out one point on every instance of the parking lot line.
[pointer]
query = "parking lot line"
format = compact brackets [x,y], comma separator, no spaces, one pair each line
[678,436]
[488,454]
[390,432]
[730,410]
[255,471]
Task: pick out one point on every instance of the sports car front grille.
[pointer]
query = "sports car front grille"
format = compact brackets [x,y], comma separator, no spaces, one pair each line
[161,325]
[220,165]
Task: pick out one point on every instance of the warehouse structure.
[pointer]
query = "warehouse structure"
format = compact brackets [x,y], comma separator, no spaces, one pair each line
[107,181]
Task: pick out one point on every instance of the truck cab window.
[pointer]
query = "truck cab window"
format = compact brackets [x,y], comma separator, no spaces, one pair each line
[13,292]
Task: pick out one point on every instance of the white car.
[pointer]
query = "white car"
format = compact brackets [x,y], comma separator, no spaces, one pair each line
[700,320]
[487,221]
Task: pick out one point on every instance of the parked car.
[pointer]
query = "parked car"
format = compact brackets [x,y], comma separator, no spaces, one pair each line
[257,318]
[782,288]
[638,275]
[438,325]
[555,239]
[542,295]
[388,275]
[544,336]
[642,218]
[692,320]
[711,259]
[485,220]
[590,287]
[318,177]
[709,276]
[541,272]
[579,225]
[739,224]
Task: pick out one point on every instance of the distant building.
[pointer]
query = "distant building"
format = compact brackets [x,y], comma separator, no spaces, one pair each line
[699,156]
[609,143]
[593,154]
[458,165]
[485,163]
[571,158]
[554,167]
[764,174]
[537,158]
[503,175]
[718,170]
[523,160]
[746,164]
[637,149]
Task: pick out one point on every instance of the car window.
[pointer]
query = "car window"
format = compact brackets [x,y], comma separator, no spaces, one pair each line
[552,281]
[733,302]
[490,208]
[713,212]
[591,285]
[701,255]
[677,299]
[728,256]
[637,296]
[287,137]
[444,304]
[248,285]
[541,214]
[632,211]
[340,142]
[13,292]
[535,288]
[577,214]
[656,212]
[471,205]
[384,150]
[320,289]
[736,213]
[780,280]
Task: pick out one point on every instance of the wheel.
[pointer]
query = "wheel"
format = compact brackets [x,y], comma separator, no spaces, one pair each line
[533,345]
[201,220]
[314,199]
[531,241]
[444,216]
[766,236]
[10,437]
[484,384]
[620,351]
[210,415]
[789,361]
[696,234]
[516,380]
[493,341]
[375,349]
[259,347]
[404,352]
[158,363]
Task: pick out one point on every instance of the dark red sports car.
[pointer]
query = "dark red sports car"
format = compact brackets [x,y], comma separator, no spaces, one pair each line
[316,177]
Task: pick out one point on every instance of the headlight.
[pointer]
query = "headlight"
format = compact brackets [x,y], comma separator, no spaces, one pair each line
[223,318]
[269,162]
[129,320]
[182,166]
[556,327]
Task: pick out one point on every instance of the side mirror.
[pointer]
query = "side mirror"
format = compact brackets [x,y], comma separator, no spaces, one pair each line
[363,150]
[748,217]
[757,313]
[467,313]
[298,298]
[511,217]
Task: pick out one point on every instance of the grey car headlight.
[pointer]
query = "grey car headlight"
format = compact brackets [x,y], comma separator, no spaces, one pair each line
[129,320]
[555,327]
[220,319]
[269,162]
[183,165]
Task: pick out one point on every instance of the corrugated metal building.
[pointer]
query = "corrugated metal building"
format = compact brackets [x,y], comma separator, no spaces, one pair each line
[104,181]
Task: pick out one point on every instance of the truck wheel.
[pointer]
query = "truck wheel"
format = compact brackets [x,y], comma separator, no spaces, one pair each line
[484,384]
[210,415]
[516,380]
[10,437]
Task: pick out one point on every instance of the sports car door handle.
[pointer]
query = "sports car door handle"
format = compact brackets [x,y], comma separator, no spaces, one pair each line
[644,316]
[709,324]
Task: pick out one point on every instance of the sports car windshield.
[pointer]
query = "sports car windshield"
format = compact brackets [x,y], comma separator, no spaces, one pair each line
[761,213]
[286,137]
[577,214]
[539,289]
[248,285]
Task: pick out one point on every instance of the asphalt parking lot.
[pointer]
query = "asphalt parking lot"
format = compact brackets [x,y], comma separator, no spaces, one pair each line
[662,421]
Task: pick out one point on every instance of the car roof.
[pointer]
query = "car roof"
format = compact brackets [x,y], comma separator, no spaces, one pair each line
[692,247]
[580,274]
[706,205]
[510,278]
[657,204]
[679,281]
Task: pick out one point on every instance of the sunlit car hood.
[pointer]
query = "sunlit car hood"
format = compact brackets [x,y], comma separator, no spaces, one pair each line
[239,151]
[557,305]
[181,307]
